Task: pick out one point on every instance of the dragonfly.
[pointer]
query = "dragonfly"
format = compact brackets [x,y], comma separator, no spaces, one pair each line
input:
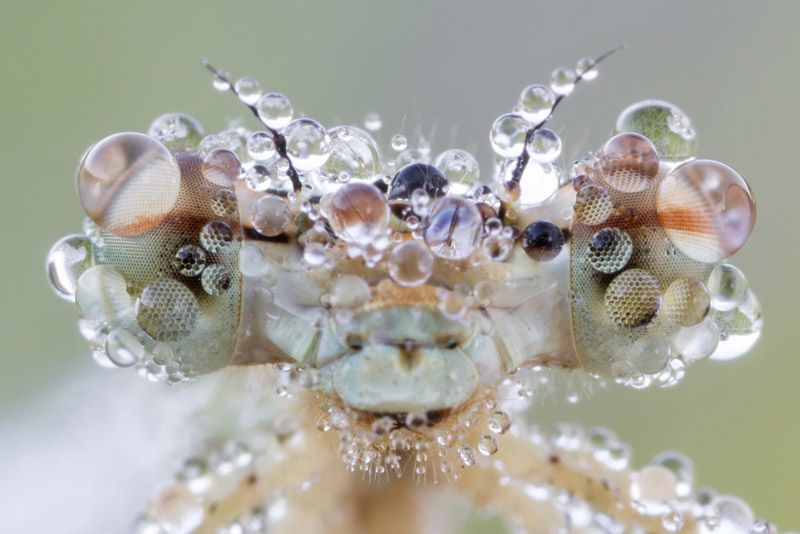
[374,311]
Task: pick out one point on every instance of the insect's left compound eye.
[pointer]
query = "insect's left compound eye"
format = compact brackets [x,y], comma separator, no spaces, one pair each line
[156,276]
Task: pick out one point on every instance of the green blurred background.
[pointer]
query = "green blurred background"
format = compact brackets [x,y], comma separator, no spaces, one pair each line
[74,72]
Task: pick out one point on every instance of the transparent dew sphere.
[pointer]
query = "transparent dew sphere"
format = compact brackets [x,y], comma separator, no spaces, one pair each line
[610,249]
[649,354]
[358,213]
[707,210]
[593,205]
[416,176]
[562,81]
[216,236]
[536,102]
[123,349]
[664,124]
[189,260]
[454,228]
[176,131]
[354,152]
[308,144]
[167,310]
[686,301]
[542,240]
[260,146]
[221,167]
[544,146]
[128,183]
[66,262]
[411,263]
[633,298]
[215,279]
[102,294]
[270,216]
[275,110]
[697,342]
[628,162]
[248,90]
[727,286]
[508,135]
[460,168]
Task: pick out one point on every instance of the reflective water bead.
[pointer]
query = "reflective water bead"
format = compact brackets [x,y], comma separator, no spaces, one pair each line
[270,216]
[497,247]
[123,349]
[727,286]
[66,261]
[417,176]
[167,310]
[508,135]
[215,279]
[258,178]
[487,445]
[653,487]
[633,298]
[454,228]
[499,423]
[628,162]
[252,261]
[562,81]
[460,168]
[248,90]
[739,328]
[536,103]
[707,210]
[697,342]
[128,183]
[216,236]
[221,167]
[586,69]
[372,122]
[681,466]
[649,354]
[538,184]
[275,110]
[686,301]
[260,146]
[732,515]
[350,291]
[102,294]
[542,240]
[399,142]
[664,124]
[411,263]
[177,131]
[353,152]
[358,213]
[593,205]
[176,510]
[220,81]
[308,145]
[544,146]
[189,260]
[610,249]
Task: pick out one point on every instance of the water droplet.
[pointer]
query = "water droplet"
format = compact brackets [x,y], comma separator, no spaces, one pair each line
[536,103]
[411,263]
[586,69]
[67,260]
[189,260]
[652,487]
[215,279]
[664,124]
[271,216]
[706,209]
[460,168]
[177,131]
[727,286]
[128,183]
[681,466]
[248,90]
[544,146]
[538,184]
[350,291]
[562,81]
[260,146]
[275,110]
[697,342]
[499,423]
[593,205]
[123,349]
[399,142]
[216,236]
[372,122]
[633,298]
[102,294]
[508,135]
[467,455]
[359,213]
[454,228]
[542,240]
[686,301]
[354,155]
[252,261]
[176,510]
[732,515]
[628,162]
[220,81]
[487,445]
[739,328]
[308,145]
[610,249]
[258,178]
[417,176]
[497,247]
[167,310]
[649,354]
[221,167]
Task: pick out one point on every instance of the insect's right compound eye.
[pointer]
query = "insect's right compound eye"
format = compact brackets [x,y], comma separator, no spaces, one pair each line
[647,278]
[156,274]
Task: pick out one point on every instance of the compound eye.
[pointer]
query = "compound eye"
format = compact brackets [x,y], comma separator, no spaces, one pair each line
[646,241]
